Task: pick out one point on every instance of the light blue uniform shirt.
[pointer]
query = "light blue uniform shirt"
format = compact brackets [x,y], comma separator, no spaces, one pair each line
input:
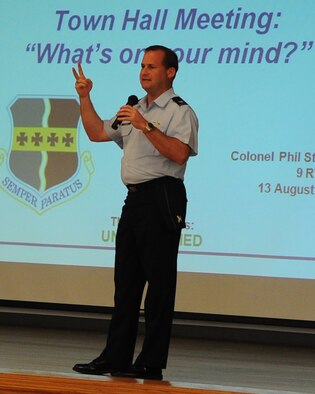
[141,161]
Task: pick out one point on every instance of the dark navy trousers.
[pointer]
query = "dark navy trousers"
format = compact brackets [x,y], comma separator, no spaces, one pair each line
[146,253]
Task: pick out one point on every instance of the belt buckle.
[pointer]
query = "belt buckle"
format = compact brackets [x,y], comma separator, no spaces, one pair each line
[132,189]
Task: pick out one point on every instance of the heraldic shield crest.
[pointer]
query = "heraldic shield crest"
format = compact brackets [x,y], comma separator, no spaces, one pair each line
[44,161]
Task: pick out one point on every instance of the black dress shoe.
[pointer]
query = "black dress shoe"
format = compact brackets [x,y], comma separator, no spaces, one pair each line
[153,373]
[130,372]
[135,372]
[95,367]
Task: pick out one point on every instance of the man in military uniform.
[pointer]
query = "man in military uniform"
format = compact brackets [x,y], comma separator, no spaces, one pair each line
[157,135]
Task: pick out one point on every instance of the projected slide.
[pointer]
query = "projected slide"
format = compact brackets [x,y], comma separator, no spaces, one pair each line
[247,69]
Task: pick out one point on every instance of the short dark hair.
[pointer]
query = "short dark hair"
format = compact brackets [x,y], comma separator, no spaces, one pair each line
[170,58]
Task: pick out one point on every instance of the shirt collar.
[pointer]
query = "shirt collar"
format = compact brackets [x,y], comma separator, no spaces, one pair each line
[161,101]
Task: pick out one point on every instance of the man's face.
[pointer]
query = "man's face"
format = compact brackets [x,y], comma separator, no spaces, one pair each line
[155,78]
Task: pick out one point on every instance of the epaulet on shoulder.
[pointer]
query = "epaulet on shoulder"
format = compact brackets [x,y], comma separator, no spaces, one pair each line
[179,101]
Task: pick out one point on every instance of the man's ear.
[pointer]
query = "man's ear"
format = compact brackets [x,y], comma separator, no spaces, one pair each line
[171,72]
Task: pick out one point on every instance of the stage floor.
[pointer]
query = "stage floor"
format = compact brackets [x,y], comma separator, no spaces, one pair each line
[226,366]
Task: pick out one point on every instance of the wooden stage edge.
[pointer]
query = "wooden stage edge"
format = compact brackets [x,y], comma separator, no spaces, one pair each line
[20,383]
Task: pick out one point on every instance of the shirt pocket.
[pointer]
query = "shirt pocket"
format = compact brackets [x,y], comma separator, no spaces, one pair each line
[162,126]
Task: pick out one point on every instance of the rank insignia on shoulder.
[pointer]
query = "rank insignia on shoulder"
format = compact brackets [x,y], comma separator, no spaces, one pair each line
[178,100]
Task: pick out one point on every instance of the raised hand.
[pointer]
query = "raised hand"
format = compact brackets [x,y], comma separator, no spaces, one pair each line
[83,85]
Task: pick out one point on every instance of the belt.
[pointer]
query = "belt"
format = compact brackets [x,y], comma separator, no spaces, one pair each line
[138,187]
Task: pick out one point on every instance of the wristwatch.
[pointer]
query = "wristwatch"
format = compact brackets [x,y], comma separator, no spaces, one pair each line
[149,127]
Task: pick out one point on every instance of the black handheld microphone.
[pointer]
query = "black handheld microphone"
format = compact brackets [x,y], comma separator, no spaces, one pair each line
[132,100]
